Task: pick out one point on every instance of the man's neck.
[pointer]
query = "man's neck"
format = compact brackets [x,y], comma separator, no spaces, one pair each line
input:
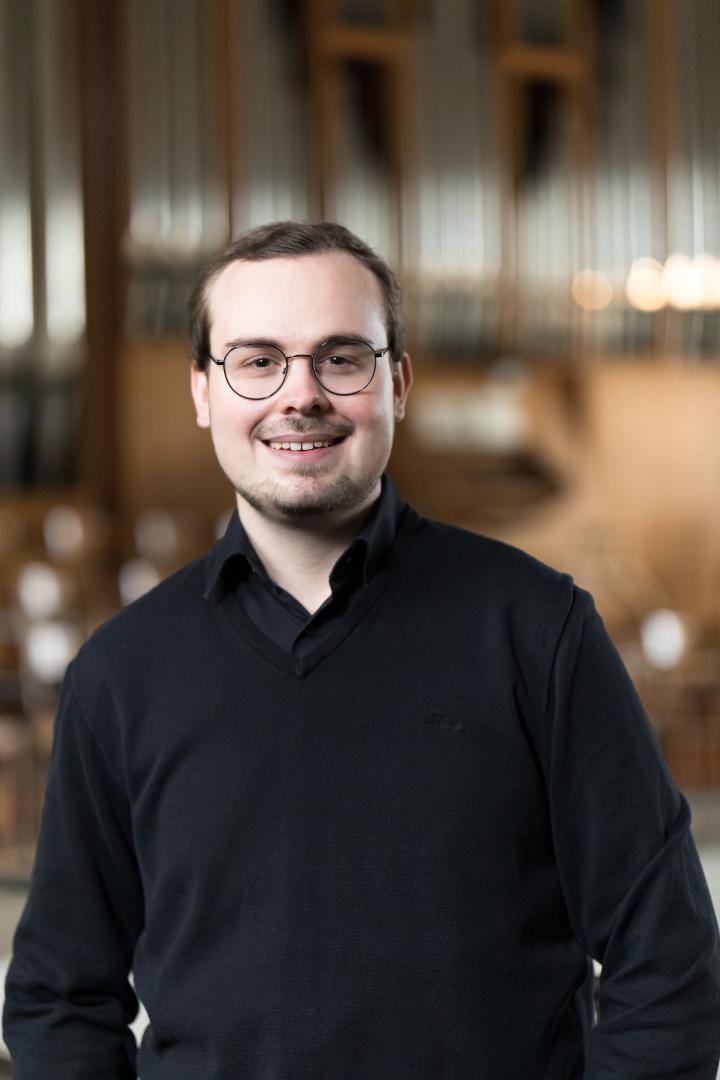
[298,555]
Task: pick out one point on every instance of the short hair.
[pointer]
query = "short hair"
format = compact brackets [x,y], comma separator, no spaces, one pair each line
[292,238]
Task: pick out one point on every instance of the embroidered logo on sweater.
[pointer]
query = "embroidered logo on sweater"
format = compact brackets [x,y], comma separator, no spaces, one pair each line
[437,720]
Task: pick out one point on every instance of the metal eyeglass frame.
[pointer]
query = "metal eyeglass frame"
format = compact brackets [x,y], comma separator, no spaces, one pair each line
[377,353]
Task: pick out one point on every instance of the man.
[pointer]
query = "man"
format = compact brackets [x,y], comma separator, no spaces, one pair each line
[358,795]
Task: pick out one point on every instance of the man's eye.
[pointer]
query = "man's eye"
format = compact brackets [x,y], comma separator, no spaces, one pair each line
[338,360]
[260,363]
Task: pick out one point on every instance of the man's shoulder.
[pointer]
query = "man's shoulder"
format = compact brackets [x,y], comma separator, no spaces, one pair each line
[493,591]
[476,559]
[160,613]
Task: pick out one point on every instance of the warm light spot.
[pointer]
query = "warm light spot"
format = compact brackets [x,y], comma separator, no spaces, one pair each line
[49,648]
[42,591]
[592,290]
[664,638]
[64,533]
[644,285]
[682,283]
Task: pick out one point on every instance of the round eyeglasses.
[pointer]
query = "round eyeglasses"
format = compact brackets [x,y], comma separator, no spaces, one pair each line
[341,366]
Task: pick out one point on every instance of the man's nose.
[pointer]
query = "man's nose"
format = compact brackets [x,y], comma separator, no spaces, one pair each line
[301,390]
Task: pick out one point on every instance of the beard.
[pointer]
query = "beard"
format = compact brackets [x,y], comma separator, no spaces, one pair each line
[341,494]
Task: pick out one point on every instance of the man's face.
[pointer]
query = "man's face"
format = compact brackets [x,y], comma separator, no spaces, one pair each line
[298,303]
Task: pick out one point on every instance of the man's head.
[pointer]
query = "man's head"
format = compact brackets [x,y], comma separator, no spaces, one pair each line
[292,286]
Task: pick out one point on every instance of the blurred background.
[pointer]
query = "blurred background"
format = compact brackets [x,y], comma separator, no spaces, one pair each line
[545,177]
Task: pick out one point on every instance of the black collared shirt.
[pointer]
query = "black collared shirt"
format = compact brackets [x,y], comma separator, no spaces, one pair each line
[278,614]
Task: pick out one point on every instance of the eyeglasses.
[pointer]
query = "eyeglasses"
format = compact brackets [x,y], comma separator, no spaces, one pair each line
[341,366]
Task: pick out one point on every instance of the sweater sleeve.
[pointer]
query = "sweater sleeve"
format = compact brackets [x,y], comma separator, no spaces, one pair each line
[629,868]
[68,999]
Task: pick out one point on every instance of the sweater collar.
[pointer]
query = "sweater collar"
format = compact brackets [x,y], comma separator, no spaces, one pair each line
[361,558]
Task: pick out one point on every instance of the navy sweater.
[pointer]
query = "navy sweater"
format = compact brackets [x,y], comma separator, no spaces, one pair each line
[389,858]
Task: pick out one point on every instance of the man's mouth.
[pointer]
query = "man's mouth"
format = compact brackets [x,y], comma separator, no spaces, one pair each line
[304,444]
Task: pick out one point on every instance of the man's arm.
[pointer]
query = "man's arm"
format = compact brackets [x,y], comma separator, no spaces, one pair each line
[630,871]
[68,999]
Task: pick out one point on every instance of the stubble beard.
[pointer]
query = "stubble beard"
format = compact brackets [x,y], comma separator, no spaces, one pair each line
[342,494]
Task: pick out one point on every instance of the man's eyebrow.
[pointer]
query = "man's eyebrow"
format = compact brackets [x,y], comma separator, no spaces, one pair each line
[253,341]
[342,335]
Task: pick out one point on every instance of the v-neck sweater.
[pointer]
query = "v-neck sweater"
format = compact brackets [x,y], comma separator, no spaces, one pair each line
[237,570]
[392,857]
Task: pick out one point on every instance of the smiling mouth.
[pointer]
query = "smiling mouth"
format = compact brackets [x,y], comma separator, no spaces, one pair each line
[305,444]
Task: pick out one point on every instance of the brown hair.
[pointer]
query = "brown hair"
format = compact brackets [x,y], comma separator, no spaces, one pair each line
[293,238]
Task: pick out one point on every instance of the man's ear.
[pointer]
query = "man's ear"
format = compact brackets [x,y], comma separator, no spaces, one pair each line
[200,392]
[402,377]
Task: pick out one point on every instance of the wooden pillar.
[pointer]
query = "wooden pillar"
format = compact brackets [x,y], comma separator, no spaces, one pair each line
[104,174]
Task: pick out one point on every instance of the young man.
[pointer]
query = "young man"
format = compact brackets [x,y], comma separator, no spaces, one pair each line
[358,795]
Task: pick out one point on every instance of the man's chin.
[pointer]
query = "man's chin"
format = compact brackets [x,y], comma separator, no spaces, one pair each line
[342,495]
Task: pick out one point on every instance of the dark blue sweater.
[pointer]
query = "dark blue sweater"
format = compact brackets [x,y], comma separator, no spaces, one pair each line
[387,859]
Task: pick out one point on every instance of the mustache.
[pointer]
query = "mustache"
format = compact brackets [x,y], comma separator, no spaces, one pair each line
[299,426]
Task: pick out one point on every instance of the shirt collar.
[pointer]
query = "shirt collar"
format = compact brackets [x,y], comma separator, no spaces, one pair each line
[366,551]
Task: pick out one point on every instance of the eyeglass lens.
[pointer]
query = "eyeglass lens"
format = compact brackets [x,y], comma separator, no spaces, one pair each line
[341,367]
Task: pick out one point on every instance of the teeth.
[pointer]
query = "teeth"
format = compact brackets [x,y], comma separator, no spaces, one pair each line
[299,446]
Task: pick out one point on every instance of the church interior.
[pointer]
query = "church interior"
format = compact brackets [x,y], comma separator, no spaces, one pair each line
[544,176]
